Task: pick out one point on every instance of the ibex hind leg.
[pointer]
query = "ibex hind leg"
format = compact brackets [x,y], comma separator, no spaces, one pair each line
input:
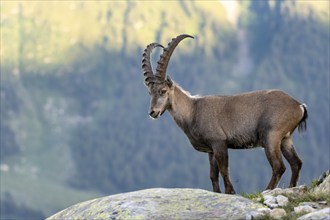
[274,156]
[291,156]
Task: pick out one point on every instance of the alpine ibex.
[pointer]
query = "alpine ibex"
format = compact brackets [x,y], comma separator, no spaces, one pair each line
[213,124]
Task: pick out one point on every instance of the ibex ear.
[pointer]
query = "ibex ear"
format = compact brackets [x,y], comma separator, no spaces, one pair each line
[169,81]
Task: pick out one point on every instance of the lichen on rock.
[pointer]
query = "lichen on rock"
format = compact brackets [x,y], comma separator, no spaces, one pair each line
[160,203]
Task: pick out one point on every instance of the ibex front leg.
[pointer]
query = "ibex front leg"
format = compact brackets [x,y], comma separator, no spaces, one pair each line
[214,173]
[220,152]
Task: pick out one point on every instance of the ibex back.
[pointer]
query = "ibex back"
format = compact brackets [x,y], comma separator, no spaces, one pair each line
[213,124]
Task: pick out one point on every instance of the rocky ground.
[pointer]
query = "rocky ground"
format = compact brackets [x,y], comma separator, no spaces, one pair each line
[300,202]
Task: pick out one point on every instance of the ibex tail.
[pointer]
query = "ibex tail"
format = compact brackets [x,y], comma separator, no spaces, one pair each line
[302,126]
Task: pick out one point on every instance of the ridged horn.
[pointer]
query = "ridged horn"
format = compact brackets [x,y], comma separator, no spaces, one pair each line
[146,65]
[166,55]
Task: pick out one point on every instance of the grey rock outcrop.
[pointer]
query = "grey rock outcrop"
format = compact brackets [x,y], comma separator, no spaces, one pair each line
[323,184]
[160,203]
[277,198]
[323,214]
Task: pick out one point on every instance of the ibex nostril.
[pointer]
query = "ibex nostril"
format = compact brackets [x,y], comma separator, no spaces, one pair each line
[151,113]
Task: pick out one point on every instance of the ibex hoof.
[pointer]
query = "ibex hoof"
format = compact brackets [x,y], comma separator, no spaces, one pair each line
[232,191]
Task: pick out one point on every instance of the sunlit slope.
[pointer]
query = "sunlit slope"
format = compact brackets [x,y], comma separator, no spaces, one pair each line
[44,33]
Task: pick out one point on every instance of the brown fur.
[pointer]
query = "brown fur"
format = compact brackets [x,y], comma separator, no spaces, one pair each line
[214,124]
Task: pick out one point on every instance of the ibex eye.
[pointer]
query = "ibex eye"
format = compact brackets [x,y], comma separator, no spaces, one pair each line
[162,91]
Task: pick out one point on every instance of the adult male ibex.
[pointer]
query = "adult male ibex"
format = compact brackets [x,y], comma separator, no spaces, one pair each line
[213,124]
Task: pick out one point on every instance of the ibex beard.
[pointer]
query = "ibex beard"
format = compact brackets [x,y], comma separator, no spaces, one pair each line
[215,123]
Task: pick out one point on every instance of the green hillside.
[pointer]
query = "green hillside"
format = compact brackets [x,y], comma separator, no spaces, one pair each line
[74,122]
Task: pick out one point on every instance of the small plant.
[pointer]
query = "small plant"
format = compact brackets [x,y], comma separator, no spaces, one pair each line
[309,197]
[257,196]
[313,184]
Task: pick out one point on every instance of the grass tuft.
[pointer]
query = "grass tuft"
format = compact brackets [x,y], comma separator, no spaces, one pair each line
[313,184]
[257,196]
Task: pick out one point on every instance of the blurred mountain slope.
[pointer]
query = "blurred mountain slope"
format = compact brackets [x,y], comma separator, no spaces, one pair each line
[74,108]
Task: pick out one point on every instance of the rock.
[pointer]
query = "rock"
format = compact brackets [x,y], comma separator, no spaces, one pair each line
[324,186]
[258,214]
[277,213]
[268,197]
[292,192]
[303,208]
[274,202]
[314,205]
[160,203]
[323,214]
[323,177]
[322,202]
[282,200]
[266,192]
[270,201]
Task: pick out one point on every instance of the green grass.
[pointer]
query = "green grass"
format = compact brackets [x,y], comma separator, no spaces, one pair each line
[313,184]
[257,196]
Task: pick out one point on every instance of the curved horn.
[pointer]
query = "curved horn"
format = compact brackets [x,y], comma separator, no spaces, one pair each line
[166,55]
[146,65]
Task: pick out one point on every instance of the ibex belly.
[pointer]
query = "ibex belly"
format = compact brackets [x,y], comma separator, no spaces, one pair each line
[243,141]
[247,146]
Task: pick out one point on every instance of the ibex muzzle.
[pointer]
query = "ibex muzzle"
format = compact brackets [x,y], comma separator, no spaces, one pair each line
[160,102]
[214,124]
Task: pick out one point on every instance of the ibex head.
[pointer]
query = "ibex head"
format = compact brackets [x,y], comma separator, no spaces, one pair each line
[159,85]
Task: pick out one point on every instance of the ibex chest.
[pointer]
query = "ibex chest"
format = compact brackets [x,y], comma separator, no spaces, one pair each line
[200,145]
[198,140]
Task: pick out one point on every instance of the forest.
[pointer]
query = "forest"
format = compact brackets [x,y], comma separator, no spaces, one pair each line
[74,110]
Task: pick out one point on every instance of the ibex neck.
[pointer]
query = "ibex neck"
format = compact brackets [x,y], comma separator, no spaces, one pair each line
[181,107]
